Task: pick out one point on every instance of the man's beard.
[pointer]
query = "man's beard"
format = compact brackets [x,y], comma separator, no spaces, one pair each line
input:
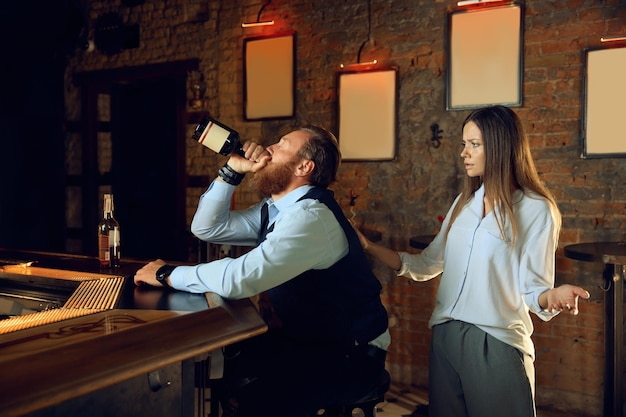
[274,178]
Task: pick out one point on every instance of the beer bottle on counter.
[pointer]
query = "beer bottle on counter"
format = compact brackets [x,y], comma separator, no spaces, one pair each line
[109,236]
[218,137]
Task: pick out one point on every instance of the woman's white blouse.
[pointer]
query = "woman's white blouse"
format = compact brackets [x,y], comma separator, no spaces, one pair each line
[486,280]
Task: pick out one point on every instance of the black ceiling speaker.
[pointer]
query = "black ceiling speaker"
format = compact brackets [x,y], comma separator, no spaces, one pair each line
[132,3]
[112,36]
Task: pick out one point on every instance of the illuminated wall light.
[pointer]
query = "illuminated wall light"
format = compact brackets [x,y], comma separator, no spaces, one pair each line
[359,64]
[258,18]
[254,24]
[471,2]
[612,38]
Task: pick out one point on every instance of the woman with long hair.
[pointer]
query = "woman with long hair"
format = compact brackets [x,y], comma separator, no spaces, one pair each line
[496,256]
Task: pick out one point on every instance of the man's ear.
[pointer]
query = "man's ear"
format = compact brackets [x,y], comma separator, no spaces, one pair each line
[305,168]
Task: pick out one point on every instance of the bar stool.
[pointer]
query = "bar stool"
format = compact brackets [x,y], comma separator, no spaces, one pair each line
[364,407]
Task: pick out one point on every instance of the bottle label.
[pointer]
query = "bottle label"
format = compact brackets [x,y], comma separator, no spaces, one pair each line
[214,137]
[103,250]
[108,204]
[114,238]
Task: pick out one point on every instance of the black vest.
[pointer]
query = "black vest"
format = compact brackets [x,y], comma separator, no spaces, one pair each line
[338,305]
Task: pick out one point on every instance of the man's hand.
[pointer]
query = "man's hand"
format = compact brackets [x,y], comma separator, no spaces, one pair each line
[563,298]
[256,158]
[147,274]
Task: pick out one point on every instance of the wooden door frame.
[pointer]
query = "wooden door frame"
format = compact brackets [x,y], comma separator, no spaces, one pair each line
[96,82]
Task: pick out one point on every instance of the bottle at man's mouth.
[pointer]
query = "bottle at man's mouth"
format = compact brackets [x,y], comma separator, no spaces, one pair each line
[218,137]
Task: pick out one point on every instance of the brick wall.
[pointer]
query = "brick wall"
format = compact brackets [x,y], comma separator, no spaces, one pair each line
[403,198]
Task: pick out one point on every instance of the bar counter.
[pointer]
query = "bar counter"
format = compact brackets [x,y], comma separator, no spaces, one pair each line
[146,330]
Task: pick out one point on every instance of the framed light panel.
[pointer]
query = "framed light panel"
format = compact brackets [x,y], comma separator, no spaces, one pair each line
[367,112]
[604,93]
[485,56]
[269,76]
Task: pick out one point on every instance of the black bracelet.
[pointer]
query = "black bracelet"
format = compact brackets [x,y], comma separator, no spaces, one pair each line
[162,273]
[230,176]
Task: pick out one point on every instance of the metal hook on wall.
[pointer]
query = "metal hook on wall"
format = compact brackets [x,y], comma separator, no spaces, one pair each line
[436,138]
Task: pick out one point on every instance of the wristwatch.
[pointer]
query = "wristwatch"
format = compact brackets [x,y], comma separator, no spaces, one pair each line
[163,272]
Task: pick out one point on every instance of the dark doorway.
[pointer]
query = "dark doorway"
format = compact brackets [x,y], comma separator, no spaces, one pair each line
[138,114]
[145,171]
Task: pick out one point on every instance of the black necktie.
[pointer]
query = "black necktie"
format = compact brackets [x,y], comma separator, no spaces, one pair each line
[265,219]
[265,304]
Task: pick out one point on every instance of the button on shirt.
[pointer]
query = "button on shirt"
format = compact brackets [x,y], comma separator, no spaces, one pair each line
[487,280]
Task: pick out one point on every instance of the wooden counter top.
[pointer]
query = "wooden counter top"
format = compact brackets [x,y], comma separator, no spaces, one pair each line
[47,364]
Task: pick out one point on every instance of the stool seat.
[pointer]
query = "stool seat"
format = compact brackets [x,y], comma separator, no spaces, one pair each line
[363,407]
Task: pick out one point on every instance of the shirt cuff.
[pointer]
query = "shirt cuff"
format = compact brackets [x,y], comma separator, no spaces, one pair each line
[220,190]
[544,315]
[177,277]
[404,268]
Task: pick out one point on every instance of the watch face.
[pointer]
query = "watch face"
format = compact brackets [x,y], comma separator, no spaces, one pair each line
[162,273]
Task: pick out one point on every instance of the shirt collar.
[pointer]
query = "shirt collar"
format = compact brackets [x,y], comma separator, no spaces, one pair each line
[477,204]
[276,206]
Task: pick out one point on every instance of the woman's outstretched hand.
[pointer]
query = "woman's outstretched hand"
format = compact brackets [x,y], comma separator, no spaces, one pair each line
[563,298]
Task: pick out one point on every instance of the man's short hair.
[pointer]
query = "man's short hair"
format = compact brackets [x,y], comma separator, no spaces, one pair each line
[323,149]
